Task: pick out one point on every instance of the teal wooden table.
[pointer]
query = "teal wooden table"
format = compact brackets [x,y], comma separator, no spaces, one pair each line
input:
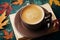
[8,27]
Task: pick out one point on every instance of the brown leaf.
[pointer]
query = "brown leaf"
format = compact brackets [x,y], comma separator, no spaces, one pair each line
[7,35]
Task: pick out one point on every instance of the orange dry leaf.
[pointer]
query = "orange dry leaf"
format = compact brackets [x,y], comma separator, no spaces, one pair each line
[7,35]
[2,17]
[20,2]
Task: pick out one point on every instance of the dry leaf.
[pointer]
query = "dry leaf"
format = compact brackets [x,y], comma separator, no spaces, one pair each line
[7,7]
[2,17]
[7,35]
[20,2]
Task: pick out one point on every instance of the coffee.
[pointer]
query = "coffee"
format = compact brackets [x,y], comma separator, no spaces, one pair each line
[32,14]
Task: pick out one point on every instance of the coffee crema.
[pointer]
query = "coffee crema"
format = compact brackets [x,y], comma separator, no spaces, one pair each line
[32,14]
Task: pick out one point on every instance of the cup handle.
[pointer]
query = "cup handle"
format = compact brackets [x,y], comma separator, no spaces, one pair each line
[48,19]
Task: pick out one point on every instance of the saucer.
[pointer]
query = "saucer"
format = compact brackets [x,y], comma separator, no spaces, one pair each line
[42,33]
[27,33]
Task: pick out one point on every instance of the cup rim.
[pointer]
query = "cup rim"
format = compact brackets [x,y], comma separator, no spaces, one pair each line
[34,22]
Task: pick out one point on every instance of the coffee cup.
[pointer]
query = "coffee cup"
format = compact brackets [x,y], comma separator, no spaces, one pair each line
[34,17]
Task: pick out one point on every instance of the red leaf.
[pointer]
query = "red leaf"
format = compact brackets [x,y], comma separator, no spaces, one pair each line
[4,7]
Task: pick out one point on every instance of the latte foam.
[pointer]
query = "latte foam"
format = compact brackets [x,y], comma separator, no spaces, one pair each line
[32,14]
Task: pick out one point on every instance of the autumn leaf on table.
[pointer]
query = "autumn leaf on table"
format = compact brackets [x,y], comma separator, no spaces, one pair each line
[7,35]
[20,2]
[2,17]
[5,6]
